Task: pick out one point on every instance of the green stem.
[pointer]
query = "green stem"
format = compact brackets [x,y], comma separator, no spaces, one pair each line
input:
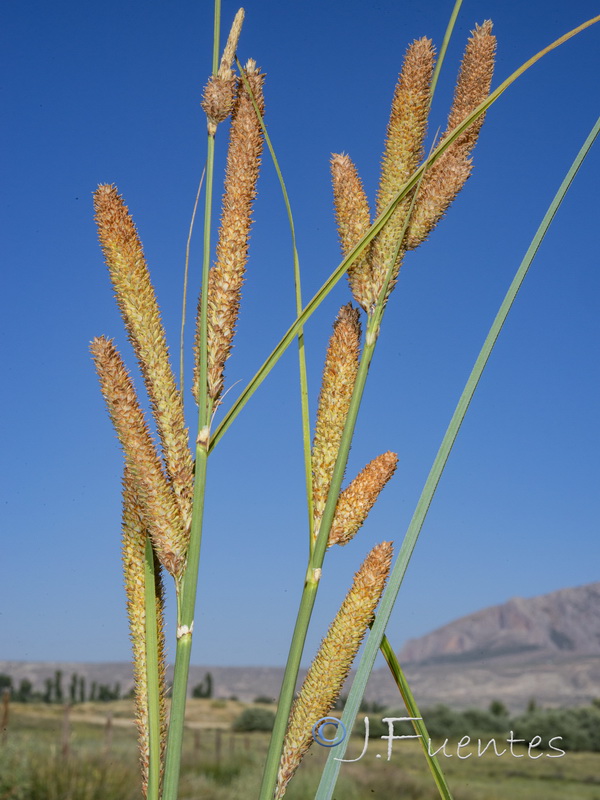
[188,584]
[216,36]
[330,773]
[185,622]
[443,49]
[319,547]
[417,720]
[187,587]
[152,674]
[313,574]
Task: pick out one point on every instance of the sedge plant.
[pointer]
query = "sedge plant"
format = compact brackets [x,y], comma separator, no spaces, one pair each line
[164,485]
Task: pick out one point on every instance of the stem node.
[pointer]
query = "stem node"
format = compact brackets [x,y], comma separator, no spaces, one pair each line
[185,630]
[203,439]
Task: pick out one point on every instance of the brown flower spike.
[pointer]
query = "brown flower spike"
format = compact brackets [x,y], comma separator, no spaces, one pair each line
[403,151]
[227,274]
[353,221]
[339,375]
[329,670]
[448,174]
[139,309]
[359,497]
[153,493]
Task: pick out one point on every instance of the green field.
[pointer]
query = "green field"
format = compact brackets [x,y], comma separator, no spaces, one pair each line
[93,756]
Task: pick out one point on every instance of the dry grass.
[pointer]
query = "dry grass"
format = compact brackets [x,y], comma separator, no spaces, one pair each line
[31,770]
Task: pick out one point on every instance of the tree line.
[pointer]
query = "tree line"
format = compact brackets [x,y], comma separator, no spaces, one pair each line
[55,690]
[77,690]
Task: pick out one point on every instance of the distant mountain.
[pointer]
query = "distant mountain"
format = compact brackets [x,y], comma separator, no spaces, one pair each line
[563,622]
[552,682]
[543,648]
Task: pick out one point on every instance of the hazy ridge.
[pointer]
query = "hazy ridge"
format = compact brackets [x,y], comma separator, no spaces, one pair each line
[545,648]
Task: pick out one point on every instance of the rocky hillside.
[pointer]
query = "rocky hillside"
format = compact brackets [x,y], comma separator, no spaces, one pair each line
[564,622]
[551,681]
[544,648]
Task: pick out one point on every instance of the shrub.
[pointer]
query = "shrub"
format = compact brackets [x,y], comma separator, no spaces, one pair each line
[254,719]
[262,698]
[477,721]
[578,727]
[443,723]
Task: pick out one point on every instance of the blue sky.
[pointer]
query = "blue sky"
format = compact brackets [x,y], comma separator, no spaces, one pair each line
[100,93]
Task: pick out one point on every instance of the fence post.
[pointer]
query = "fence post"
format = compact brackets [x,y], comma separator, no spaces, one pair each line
[218,746]
[108,733]
[65,747]
[5,714]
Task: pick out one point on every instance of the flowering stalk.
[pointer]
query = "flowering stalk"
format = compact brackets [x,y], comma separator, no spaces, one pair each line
[313,576]
[329,669]
[217,315]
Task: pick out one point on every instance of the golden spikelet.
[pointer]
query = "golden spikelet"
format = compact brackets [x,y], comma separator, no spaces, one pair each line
[359,498]
[217,100]
[402,153]
[339,375]
[327,673]
[153,492]
[133,552]
[231,44]
[353,221]
[219,92]
[139,308]
[447,176]
[227,274]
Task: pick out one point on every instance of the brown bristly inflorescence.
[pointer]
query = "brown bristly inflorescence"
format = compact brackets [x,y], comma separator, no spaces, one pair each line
[339,375]
[227,274]
[403,151]
[359,497]
[153,491]
[327,673]
[139,308]
[353,221]
[447,175]
[134,555]
[219,92]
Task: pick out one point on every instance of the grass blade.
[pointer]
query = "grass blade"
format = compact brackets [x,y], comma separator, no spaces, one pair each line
[185,283]
[298,292]
[332,766]
[444,47]
[418,723]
